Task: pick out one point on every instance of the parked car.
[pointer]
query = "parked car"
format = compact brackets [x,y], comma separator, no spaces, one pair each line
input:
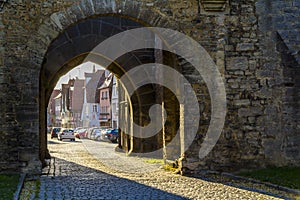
[103,136]
[80,133]
[77,129]
[96,134]
[66,133]
[54,132]
[112,135]
[89,132]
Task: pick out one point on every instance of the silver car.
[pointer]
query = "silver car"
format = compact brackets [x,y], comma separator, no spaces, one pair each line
[66,133]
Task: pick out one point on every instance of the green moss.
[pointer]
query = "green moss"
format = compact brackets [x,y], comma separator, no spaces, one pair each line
[154,161]
[169,167]
[284,176]
[8,185]
[30,189]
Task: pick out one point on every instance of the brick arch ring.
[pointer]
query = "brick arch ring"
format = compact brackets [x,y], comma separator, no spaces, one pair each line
[59,21]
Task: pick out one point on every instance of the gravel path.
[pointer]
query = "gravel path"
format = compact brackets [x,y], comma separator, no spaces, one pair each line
[92,170]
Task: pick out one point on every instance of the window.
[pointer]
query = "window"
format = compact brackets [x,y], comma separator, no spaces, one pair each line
[103,109]
[95,108]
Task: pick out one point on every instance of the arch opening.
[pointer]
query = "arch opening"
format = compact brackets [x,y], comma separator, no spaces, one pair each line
[65,54]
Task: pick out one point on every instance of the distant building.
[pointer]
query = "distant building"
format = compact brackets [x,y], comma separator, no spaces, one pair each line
[57,102]
[105,101]
[114,104]
[76,104]
[77,101]
[51,115]
[66,104]
[90,108]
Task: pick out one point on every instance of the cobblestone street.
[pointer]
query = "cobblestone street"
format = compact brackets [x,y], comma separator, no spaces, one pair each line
[87,169]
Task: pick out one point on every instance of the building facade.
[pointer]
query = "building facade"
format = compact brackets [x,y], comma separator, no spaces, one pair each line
[58,109]
[90,108]
[105,91]
[51,119]
[77,101]
[114,104]
[67,120]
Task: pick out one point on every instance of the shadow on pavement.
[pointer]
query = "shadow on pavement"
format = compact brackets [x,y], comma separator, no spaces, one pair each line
[53,142]
[70,180]
[241,184]
[63,141]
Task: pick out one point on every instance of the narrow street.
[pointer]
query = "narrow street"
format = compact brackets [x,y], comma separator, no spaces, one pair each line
[87,169]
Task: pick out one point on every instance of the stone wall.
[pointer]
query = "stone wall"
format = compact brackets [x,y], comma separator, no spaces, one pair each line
[232,40]
[253,43]
[262,127]
[279,71]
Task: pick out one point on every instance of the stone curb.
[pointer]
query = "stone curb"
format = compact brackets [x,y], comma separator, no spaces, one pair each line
[278,187]
[20,186]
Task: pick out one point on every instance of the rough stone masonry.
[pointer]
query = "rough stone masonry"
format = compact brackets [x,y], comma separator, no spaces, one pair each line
[255,44]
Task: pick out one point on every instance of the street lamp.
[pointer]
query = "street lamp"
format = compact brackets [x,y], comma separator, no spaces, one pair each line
[2,2]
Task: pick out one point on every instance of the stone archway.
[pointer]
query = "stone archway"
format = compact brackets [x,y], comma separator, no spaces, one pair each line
[239,42]
[53,24]
[76,39]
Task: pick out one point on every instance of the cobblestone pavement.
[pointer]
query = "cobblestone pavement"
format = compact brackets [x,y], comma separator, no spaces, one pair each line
[118,161]
[92,170]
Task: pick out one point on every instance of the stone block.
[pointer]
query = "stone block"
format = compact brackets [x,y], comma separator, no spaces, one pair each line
[75,13]
[239,73]
[87,8]
[242,102]
[251,120]
[293,141]
[252,65]
[237,63]
[101,7]
[250,112]
[264,73]
[25,156]
[245,47]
